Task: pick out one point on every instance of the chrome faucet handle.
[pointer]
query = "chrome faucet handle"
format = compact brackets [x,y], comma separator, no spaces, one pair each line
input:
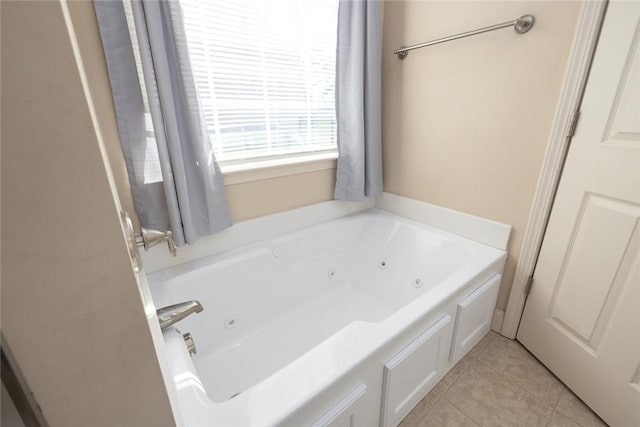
[149,238]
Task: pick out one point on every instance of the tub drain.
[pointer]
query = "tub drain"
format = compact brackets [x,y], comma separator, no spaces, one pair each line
[233,395]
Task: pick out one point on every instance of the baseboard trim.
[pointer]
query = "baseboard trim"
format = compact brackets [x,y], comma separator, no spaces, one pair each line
[498,319]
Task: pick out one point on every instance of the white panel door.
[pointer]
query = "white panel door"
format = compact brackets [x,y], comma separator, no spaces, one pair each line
[473,317]
[411,373]
[582,317]
[347,412]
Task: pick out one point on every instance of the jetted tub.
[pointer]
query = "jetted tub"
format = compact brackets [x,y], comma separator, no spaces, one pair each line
[309,327]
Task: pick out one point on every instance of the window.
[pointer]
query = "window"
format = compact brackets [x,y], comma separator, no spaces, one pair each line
[265,74]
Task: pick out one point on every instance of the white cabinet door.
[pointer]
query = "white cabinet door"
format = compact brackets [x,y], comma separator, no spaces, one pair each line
[473,317]
[582,317]
[411,373]
[345,413]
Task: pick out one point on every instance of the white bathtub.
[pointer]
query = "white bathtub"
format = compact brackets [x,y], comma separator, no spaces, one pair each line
[294,325]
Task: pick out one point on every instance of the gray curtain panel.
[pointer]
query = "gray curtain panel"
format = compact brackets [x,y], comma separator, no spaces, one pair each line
[358,99]
[190,200]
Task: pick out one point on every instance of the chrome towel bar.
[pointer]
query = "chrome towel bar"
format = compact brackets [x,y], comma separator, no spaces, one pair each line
[520,25]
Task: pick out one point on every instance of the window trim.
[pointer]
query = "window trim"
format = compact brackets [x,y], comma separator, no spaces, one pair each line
[256,169]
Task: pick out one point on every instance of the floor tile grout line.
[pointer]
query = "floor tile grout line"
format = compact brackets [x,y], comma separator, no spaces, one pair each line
[554,408]
[497,336]
[472,419]
[565,388]
[568,390]
[550,418]
[572,418]
[518,386]
[500,375]
[461,411]
[559,396]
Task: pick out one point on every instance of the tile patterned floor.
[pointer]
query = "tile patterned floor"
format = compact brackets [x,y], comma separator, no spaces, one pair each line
[499,383]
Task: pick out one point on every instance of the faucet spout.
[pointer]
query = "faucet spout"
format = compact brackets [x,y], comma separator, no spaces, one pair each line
[169,315]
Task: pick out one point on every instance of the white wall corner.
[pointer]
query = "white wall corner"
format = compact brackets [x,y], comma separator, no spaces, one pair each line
[496,322]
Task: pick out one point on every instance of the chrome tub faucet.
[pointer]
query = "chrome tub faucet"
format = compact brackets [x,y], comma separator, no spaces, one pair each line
[169,315]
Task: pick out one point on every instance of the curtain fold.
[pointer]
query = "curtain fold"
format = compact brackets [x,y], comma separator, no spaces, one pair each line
[358,99]
[190,200]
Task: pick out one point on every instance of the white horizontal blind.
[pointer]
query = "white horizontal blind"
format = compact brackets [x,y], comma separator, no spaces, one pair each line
[265,74]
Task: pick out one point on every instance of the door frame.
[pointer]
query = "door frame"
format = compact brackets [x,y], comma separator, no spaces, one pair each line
[567,113]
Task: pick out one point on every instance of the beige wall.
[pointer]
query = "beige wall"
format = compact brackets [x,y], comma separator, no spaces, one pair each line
[256,198]
[465,124]
[72,312]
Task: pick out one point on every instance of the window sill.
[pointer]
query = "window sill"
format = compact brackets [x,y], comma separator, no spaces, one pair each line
[282,166]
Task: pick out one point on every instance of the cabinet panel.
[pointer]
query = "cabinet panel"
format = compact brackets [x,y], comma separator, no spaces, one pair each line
[473,317]
[346,412]
[411,373]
